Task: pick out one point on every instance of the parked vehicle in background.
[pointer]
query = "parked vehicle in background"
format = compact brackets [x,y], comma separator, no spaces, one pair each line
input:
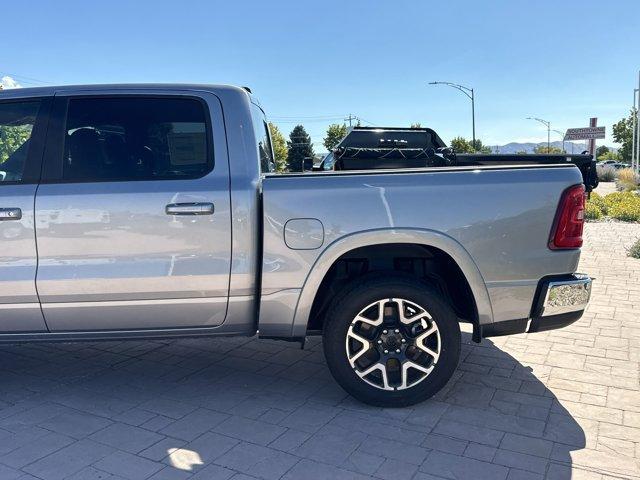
[152,211]
[375,148]
[619,165]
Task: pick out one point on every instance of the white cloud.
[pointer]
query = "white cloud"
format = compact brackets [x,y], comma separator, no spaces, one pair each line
[7,82]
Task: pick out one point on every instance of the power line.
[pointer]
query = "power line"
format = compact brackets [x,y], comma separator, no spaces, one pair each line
[25,79]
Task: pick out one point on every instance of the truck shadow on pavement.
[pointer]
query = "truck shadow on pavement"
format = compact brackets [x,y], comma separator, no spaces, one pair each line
[269,409]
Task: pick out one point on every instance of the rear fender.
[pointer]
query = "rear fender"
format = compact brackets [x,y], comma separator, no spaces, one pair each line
[382,236]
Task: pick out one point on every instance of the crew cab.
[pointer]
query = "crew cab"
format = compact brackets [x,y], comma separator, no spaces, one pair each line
[152,211]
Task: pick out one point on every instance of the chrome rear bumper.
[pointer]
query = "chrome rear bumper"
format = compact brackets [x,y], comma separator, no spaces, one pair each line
[564,296]
[560,301]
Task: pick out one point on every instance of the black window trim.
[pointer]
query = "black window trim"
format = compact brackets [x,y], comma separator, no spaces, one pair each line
[265,124]
[33,163]
[52,167]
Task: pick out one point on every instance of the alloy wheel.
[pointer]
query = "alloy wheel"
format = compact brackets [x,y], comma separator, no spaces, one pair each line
[393,344]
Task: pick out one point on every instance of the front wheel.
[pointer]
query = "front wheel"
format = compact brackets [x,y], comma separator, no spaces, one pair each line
[391,341]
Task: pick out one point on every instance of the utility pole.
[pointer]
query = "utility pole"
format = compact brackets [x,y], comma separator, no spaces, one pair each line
[547,124]
[469,93]
[350,118]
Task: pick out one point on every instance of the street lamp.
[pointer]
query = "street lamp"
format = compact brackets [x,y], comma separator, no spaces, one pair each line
[469,93]
[546,124]
[559,132]
[634,149]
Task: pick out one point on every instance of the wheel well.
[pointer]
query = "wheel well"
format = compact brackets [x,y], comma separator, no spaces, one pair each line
[427,263]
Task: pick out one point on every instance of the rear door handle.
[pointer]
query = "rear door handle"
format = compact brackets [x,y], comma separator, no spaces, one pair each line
[199,208]
[10,214]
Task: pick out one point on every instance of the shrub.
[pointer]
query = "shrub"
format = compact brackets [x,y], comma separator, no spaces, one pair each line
[597,200]
[619,197]
[627,212]
[606,174]
[592,211]
[628,179]
[634,251]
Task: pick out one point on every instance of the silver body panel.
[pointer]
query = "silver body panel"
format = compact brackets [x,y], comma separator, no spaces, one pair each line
[113,264]
[19,307]
[495,222]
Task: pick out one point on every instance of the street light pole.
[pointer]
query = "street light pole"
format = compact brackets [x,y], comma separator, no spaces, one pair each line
[634,152]
[636,125]
[469,93]
[563,135]
[548,125]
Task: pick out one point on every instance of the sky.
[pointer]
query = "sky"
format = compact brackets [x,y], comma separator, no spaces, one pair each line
[317,62]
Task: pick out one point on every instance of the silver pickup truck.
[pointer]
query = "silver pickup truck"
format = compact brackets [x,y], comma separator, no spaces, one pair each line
[151,211]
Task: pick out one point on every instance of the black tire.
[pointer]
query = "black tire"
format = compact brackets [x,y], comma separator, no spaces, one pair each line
[356,297]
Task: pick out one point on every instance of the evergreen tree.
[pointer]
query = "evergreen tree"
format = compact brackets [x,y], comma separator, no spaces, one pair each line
[300,147]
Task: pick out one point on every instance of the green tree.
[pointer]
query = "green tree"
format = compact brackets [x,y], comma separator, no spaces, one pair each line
[279,145]
[11,138]
[462,145]
[609,156]
[521,152]
[543,149]
[623,134]
[335,133]
[601,150]
[299,147]
[416,125]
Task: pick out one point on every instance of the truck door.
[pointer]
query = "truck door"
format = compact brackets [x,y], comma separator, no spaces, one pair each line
[133,214]
[22,126]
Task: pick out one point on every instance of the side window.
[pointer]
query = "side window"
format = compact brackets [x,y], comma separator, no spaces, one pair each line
[16,125]
[261,130]
[135,138]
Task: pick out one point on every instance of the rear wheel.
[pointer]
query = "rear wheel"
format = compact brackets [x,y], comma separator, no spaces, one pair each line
[391,341]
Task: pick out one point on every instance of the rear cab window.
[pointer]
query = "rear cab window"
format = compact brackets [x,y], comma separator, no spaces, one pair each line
[127,138]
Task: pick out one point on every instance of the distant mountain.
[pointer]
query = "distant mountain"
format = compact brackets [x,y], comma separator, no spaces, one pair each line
[529,147]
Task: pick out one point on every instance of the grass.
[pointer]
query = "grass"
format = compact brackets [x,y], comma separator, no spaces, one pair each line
[606,174]
[627,180]
[634,251]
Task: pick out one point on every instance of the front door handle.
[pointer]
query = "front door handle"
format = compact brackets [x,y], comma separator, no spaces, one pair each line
[198,208]
[10,214]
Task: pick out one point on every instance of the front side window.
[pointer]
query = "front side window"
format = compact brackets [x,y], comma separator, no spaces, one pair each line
[263,139]
[16,125]
[124,138]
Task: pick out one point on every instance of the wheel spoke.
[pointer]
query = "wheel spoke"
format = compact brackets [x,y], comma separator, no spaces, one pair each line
[376,322]
[423,336]
[409,320]
[383,371]
[365,346]
[405,370]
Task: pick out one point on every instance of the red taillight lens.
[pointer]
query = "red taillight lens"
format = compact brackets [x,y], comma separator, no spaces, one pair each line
[567,228]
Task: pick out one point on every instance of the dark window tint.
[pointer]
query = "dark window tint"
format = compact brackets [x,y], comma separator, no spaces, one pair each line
[124,138]
[263,139]
[16,124]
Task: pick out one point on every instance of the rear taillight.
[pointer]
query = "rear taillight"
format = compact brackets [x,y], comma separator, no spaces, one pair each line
[567,227]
